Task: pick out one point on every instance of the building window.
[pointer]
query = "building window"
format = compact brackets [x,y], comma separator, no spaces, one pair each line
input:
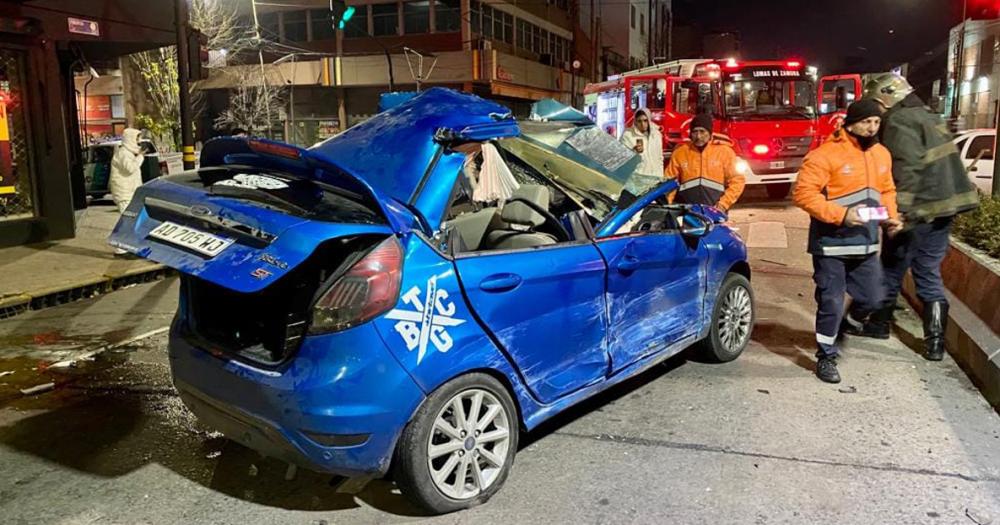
[633,16]
[486,20]
[268,26]
[498,24]
[447,16]
[357,26]
[508,28]
[523,34]
[474,16]
[294,23]
[417,17]
[322,25]
[385,20]
[642,23]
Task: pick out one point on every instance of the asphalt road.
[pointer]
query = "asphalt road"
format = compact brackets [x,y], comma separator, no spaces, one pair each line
[756,441]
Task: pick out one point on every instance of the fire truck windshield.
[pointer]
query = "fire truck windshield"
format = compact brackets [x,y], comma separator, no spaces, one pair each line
[769,98]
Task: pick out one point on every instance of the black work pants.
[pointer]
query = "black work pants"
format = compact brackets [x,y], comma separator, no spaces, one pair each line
[860,278]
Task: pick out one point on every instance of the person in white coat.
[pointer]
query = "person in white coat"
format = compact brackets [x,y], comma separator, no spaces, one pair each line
[645,139]
[126,170]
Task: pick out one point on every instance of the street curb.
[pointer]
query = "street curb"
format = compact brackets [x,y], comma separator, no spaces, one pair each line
[86,288]
[971,342]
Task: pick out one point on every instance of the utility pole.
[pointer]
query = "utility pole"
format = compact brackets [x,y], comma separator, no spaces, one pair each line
[956,93]
[260,56]
[996,165]
[187,137]
[649,34]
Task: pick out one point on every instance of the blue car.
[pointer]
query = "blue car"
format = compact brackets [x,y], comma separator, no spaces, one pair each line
[412,294]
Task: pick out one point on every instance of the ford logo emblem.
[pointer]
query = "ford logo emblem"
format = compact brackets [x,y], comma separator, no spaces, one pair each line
[200,211]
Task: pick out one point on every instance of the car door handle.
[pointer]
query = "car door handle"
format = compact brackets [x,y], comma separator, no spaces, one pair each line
[973,168]
[627,263]
[500,282]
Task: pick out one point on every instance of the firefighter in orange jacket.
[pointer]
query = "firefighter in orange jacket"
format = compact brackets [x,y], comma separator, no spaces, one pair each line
[707,170]
[838,181]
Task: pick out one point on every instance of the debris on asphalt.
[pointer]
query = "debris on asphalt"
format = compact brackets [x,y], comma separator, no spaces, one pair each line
[252,472]
[980,519]
[6,373]
[773,262]
[291,472]
[213,455]
[66,363]
[848,390]
[38,389]
[763,391]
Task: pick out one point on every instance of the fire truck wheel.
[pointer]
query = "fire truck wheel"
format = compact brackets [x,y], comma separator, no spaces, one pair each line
[778,191]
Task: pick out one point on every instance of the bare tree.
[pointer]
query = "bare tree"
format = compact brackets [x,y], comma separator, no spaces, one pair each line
[251,102]
[219,21]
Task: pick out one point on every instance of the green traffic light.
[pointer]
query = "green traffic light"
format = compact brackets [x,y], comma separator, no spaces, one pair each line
[348,13]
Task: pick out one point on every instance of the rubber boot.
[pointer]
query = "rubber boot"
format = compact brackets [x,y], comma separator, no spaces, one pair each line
[878,325]
[935,324]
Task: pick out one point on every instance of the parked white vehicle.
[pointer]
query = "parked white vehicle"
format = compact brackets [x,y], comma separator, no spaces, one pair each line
[976,148]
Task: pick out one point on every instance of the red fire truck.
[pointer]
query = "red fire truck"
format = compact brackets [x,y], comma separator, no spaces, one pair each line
[774,111]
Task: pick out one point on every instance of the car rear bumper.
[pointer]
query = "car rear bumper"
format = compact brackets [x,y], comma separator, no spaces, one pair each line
[326,410]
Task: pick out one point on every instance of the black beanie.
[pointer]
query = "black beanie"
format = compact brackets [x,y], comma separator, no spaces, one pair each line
[702,120]
[861,110]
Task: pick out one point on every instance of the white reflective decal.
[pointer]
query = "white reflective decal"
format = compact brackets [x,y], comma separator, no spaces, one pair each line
[432,312]
[245,180]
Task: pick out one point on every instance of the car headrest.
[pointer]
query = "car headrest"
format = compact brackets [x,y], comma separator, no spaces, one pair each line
[520,213]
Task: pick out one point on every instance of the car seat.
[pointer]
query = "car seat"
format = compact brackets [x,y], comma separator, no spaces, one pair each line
[521,221]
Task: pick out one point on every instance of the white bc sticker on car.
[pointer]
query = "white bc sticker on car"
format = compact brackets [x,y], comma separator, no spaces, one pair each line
[261,182]
[427,321]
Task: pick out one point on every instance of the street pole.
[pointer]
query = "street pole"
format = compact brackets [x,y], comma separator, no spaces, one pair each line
[260,56]
[996,165]
[291,105]
[959,60]
[187,137]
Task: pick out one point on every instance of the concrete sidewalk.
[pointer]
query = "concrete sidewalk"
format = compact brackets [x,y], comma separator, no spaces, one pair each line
[46,274]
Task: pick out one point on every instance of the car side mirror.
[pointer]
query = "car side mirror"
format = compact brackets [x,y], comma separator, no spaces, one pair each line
[695,226]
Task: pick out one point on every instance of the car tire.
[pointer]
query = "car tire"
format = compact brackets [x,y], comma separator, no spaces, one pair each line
[732,320]
[778,191]
[425,480]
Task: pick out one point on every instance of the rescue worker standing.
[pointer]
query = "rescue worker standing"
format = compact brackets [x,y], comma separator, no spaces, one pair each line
[707,169]
[849,172]
[933,187]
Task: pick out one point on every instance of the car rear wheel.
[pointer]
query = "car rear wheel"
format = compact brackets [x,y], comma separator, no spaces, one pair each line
[458,449]
[732,320]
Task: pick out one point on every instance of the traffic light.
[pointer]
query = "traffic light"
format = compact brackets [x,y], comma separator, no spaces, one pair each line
[340,14]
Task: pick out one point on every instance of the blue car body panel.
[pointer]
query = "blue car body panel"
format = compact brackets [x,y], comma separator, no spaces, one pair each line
[234,267]
[534,302]
[655,291]
[556,323]
[393,150]
[321,392]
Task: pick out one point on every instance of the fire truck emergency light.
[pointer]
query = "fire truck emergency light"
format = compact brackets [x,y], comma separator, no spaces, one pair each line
[793,64]
[761,149]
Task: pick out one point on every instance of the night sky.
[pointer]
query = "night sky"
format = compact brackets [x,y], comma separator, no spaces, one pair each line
[836,36]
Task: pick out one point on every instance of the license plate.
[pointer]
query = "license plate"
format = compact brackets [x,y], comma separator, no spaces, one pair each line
[777,165]
[190,238]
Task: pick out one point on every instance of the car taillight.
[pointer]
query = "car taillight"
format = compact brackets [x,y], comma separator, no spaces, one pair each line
[368,289]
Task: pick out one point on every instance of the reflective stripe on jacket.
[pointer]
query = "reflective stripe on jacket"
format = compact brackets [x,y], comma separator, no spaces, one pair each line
[835,177]
[711,176]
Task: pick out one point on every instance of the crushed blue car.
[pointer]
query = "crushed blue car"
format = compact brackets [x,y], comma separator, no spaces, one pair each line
[367,305]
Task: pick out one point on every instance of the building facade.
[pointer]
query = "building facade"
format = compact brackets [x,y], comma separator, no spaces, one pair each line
[512,52]
[978,74]
[44,44]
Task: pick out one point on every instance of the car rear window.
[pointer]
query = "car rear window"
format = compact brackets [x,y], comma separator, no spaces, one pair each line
[287,193]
